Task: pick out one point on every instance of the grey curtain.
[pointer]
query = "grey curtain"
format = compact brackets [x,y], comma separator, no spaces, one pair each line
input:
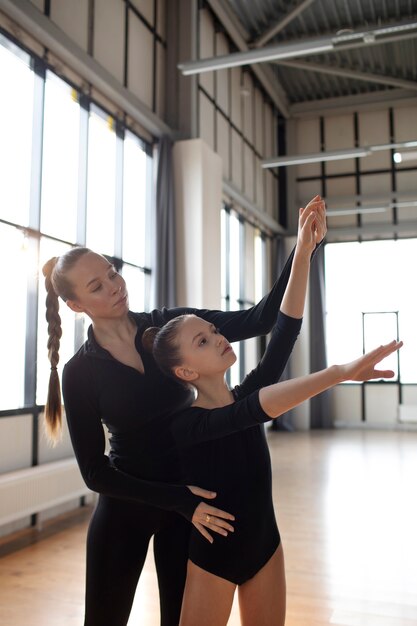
[165,292]
[320,406]
[279,258]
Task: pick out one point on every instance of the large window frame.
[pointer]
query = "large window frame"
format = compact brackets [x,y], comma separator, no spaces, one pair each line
[234,287]
[30,226]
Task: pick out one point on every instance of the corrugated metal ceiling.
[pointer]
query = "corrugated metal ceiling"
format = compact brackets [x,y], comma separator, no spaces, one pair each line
[344,69]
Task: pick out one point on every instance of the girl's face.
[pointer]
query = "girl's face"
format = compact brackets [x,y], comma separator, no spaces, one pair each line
[99,290]
[204,351]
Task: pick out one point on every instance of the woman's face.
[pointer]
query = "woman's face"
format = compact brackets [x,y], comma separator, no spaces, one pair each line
[99,290]
[203,349]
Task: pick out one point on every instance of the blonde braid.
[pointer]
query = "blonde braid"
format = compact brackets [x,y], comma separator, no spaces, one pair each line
[53,407]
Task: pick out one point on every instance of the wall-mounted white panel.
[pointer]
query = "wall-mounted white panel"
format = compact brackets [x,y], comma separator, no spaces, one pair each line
[146,9]
[140,60]
[160,80]
[161,18]
[377,184]
[405,123]
[381,404]
[49,453]
[407,184]
[222,77]
[409,393]
[108,39]
[72,18]
[39,4]
[236,97]
[259,184]
[223,144]
[249,263]
[347,404]
[339,134]
[206,120]
[247,104]
[268,130]
[307,190]
[341,187]
[237,151]
[206,79]
[307,138]
[270,185]
[15,442]
[259,135]
[248,172]
[373,130]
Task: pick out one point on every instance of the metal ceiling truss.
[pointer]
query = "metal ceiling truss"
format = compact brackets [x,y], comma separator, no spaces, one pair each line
[306,47]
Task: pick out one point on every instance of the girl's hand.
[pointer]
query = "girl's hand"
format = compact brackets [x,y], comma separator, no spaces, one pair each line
[206,516]
[311,225]
[364,368]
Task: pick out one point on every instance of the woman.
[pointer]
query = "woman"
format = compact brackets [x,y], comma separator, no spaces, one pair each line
[223,444]
[112,380]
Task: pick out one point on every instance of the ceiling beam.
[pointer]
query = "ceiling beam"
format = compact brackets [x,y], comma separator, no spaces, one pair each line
[359,102]
[281,23]
[386,230]
[307,47]
[266,76]
[347,73]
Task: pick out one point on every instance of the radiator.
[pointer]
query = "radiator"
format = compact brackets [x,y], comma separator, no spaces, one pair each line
[35,489]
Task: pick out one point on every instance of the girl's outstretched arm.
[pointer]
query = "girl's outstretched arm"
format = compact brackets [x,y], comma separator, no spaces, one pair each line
[281,397]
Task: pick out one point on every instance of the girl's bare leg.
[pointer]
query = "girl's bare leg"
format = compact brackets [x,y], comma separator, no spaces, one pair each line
[207,598]
[262,600]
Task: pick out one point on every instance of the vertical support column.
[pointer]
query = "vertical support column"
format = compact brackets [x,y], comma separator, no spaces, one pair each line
[181,91]
[198,197]
[300,359]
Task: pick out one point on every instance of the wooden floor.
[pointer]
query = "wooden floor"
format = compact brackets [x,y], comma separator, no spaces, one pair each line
[347,510]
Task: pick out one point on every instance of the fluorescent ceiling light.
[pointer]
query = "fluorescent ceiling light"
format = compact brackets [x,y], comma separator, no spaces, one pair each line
[316,157]
[372,209]
[356,211]
[399,157]
[335,155]
[303,48]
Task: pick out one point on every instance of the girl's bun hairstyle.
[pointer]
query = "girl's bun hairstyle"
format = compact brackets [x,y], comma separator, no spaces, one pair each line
[148,338]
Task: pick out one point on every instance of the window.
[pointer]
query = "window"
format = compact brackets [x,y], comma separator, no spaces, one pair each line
[243,281]
[15,262]
[16,138]
[71,175]
[369,285]
[101,183]
[60,160]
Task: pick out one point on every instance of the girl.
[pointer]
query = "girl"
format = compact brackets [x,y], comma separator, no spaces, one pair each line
[222,443]
[112,380]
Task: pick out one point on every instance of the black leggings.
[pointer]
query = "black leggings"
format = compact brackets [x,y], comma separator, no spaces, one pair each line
[117,544]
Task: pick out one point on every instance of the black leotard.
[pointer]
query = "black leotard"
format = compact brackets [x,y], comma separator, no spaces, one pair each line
[237,465]
[133,507]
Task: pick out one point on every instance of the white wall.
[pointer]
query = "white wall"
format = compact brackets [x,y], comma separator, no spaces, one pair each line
[198,184]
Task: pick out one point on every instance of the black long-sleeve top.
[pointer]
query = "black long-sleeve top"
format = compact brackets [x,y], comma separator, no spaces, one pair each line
[225,448]
[136,408]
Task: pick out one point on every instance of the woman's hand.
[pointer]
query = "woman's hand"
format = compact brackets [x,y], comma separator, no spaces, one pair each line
[206,516]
